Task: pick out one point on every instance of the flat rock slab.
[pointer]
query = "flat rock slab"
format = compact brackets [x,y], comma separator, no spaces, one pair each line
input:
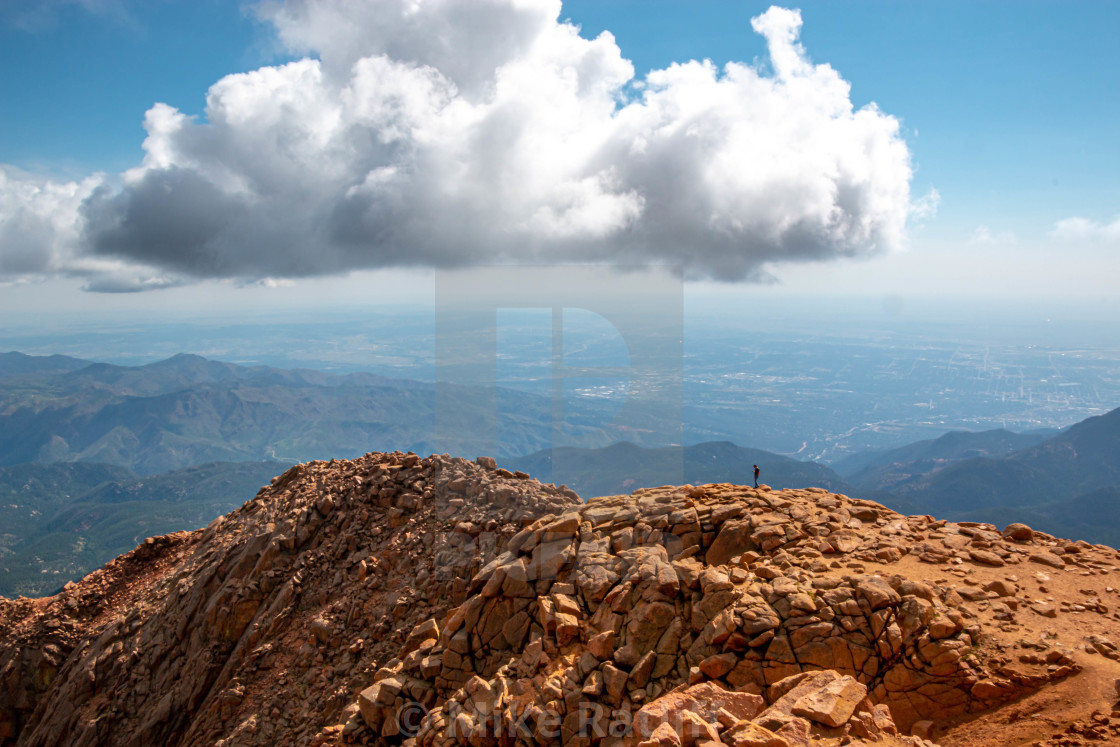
[833,704]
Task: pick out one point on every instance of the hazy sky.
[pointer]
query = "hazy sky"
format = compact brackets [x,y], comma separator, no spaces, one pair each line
[206,153]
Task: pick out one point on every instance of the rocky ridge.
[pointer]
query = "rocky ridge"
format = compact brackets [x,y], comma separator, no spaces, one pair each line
[259,628]
[399,600]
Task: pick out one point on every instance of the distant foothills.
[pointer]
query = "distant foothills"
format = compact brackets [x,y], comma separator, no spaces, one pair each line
[96,457]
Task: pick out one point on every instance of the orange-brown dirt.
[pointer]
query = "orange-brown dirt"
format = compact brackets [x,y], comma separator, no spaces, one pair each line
[503,611]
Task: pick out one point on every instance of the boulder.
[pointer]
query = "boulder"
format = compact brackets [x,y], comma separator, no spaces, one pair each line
[734,538]
[748,734]
[1018,532]
[833,704]
[705,699]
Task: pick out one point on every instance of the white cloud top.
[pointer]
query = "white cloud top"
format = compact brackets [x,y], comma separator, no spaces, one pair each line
[447,133]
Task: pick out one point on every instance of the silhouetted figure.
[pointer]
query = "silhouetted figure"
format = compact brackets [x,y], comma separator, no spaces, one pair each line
[756,475]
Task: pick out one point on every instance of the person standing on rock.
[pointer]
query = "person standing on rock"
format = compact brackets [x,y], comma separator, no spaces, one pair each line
[756,475]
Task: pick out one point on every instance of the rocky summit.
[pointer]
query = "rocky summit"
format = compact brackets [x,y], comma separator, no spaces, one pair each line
[400,600]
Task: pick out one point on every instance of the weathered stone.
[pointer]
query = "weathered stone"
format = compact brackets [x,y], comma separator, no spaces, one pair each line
[1046,609]
[515,580]
[647,624]
[643,670]
[795,732]
[547,560]
[747,734]
[370,706]
[565,527]
[1018,532]
[713,580]
[567,628]
[602,645]
[876,592]
[833,704]
[594,581]
[425,631]
[734,538]
[988,690]
[986,557]
[718,665]
[923,729]
[614,681]
[663,736]
[1002,587]
[785,692]
[593,686]
[1047,559]
[704,699]
[694,729]
[515,629]
[688,571]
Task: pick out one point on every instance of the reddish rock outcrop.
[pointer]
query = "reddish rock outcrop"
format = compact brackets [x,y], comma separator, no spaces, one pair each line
[260,628]
[399,600]
[625,600]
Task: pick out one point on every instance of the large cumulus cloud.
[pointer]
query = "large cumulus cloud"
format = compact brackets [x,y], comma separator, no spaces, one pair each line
[40,227]
[446,133]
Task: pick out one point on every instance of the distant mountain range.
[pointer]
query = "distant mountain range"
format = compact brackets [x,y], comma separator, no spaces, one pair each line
[188,410]
[94,457]
[1066,484]
[625,467]
[886,469]
[15,364]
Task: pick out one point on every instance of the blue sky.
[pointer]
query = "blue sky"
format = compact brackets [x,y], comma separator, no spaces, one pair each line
[86,75]
[1009,114]
[1012,114]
